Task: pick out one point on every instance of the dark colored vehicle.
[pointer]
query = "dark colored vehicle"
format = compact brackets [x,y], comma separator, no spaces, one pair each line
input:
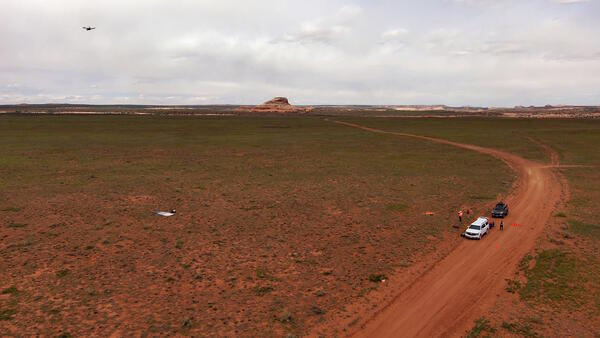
[500,210]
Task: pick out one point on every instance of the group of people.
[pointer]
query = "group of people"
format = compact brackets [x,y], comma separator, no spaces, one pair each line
[460,214]
[501,224]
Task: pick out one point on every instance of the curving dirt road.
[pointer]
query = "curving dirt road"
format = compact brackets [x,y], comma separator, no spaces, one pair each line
[446,300]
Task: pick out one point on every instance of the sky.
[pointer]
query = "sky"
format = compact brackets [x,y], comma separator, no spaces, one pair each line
[453,52]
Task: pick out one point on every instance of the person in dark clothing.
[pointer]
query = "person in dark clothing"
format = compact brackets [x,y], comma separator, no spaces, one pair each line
[501,225]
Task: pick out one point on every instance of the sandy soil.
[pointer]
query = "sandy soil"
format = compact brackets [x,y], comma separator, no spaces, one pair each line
[446,299]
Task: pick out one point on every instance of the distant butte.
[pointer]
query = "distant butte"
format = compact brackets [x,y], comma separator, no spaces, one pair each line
[278,105]
[278,101]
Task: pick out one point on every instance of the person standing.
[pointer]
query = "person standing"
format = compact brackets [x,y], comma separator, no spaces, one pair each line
[460,214]
[501,224]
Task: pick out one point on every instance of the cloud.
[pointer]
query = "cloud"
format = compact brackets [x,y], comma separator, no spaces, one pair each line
[315,52]
[394,35]
[327,29]
[316,32]
[570,1]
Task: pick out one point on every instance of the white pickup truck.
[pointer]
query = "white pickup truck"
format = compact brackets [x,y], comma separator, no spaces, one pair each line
[477,229]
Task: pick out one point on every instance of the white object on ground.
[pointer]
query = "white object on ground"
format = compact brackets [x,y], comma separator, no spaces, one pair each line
[165,213]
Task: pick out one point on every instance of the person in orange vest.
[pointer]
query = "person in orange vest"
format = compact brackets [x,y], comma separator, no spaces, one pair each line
[460,213]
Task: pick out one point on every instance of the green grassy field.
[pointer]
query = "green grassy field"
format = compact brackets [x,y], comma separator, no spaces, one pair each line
[576,140]
[284,219]
[279,220]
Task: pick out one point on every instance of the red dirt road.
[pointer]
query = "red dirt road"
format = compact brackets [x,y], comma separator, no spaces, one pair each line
[446,300]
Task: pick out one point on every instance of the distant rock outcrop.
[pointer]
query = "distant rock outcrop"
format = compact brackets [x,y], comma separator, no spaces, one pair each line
[278,101]
[278,105]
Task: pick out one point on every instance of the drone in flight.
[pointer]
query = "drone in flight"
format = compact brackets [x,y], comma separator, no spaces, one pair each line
[88,28]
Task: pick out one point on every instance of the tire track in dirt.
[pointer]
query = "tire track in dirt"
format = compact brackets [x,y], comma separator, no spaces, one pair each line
[448,298]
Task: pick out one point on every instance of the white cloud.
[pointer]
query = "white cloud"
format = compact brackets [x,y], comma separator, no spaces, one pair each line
[227,51]
[570,1]
[394,35]
[325,29]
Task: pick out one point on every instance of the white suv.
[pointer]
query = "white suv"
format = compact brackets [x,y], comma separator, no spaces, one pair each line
[478,228]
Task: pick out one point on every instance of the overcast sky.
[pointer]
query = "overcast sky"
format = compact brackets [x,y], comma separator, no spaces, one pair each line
[455,52]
